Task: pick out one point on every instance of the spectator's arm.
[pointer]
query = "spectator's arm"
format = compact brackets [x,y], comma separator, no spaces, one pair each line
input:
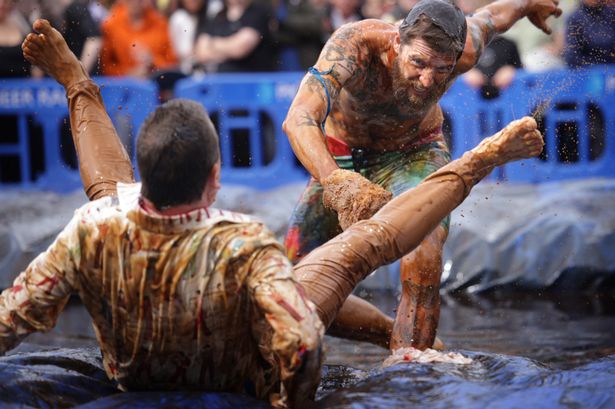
[40,292]
[295,335]
[234,47]
[91,50]
[80,21]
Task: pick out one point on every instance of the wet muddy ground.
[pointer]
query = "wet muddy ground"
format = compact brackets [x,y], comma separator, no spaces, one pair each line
[529,350]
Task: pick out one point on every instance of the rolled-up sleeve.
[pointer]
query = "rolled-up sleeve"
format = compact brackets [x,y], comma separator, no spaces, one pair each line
[39,293]
[297,331]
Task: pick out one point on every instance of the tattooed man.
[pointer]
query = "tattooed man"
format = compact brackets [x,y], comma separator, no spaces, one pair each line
[373,94]
[185,296]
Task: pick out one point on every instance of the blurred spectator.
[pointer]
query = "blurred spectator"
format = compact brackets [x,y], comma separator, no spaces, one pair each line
[379,9]
[238,39]
[82,32]
[136,40]
[399,11]
[182,29]
[13,29]
[302,29]
[495,69]
[166,7]
[590,34]
[498,63]
[344,11]
[52,10]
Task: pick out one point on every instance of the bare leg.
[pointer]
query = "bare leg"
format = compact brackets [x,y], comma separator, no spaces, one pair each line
[102,159]
[419,308]
[331,272]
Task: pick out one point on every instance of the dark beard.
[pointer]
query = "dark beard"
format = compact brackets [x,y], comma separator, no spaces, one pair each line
[404,98]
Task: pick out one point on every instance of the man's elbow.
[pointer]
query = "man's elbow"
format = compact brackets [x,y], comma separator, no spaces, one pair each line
[287,125]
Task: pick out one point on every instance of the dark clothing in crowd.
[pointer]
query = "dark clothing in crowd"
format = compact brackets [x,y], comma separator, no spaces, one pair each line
[590,36]
[13,64]
[256,17]
[79,26]
[499,53]
[301,28]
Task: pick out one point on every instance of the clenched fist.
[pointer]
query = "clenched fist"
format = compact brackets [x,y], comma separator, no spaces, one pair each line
[352,196]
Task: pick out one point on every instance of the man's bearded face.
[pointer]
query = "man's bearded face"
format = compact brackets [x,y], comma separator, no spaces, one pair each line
[420,75]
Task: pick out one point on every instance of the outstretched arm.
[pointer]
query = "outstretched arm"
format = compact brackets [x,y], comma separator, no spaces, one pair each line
[38,294]
[340,59]
[497,18]
[343,59]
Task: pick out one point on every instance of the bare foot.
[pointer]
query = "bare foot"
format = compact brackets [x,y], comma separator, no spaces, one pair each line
[49,51]
[518,140]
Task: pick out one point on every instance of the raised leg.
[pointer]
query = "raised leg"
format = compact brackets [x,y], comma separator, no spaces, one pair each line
[331,272]
[102,159]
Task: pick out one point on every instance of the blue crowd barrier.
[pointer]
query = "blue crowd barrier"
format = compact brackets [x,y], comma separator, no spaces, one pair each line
[244,102]
[581,100]
[43,102]
[249,109]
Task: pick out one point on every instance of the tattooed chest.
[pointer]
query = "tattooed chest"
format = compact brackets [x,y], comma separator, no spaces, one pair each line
[372,112]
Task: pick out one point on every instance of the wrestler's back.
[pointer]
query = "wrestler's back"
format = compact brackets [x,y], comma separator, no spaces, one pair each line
[366,114]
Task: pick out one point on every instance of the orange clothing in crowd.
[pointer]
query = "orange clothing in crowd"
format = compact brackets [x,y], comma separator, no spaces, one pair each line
[124,44]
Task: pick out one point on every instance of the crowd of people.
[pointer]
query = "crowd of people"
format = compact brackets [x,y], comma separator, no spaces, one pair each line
[168,39]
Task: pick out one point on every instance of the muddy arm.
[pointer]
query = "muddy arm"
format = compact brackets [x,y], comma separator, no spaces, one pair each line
[293,336]
[497,18]
[339,61]
[39,293]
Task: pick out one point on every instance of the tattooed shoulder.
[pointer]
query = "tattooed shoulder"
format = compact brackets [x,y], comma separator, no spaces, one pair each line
[345,50]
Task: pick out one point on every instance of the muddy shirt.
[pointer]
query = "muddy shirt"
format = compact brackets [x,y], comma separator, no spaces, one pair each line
[202,300]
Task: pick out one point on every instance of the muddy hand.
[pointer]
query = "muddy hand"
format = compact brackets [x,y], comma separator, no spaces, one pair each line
[47,49]
[540,10]
[352,196]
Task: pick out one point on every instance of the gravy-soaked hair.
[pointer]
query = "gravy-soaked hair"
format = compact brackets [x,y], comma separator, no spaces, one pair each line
[437,22]
[177,147]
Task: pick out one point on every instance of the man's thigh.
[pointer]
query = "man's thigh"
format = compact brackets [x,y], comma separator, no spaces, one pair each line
[311,224]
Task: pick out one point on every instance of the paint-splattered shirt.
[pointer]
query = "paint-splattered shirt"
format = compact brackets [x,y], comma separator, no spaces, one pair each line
[203,300]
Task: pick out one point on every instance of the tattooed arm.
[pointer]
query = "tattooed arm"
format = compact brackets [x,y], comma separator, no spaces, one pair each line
[497,18]
[342,55]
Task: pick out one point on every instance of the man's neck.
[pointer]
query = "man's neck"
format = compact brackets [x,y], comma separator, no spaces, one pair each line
[174,210]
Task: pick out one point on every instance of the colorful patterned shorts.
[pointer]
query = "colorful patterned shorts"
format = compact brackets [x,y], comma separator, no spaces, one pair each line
[312,225]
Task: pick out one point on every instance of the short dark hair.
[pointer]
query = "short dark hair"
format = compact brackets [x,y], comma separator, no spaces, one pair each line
[177,147]
[434,36]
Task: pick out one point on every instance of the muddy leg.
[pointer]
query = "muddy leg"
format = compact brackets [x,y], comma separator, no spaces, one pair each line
[331,272]
[419,308]
[102,159]
[359,320]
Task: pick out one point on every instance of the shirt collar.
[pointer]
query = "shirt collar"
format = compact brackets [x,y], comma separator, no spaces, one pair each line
[129,196]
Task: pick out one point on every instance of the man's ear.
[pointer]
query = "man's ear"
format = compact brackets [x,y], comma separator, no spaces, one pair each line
[213,184]
[214,176]
[397,43]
